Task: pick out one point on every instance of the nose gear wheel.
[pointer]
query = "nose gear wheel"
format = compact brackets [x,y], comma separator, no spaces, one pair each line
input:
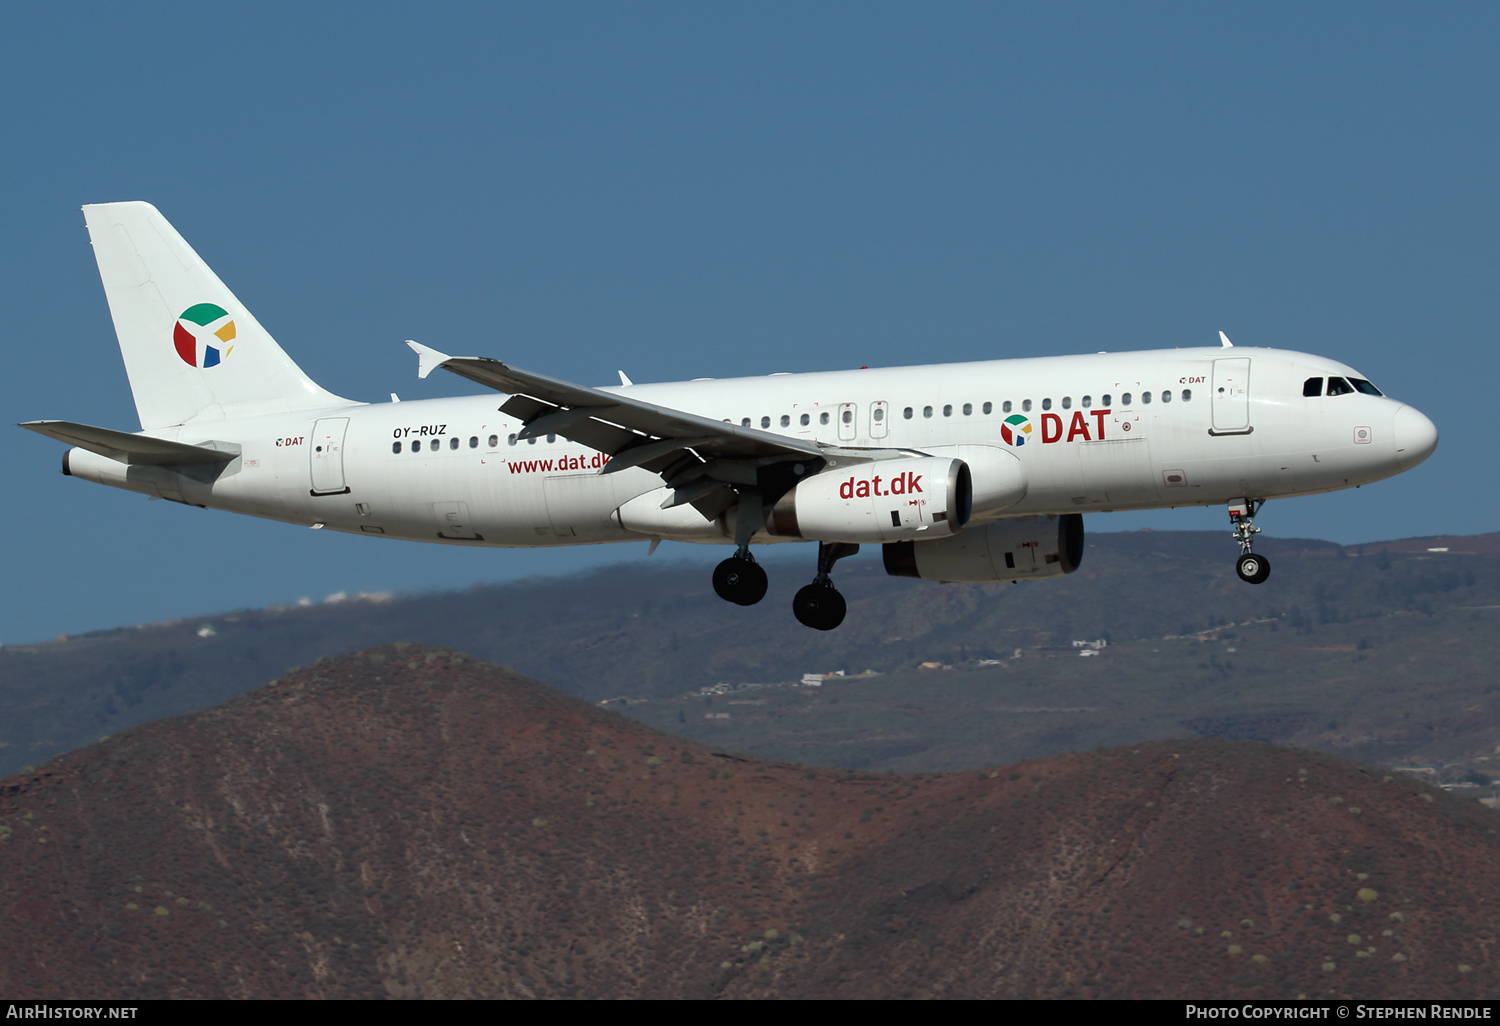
[1253,569]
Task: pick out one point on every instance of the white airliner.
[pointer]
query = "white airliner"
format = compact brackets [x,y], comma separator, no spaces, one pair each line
[962,472]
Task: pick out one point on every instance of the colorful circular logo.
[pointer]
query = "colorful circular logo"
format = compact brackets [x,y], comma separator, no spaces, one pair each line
[194,339]
[1016,430]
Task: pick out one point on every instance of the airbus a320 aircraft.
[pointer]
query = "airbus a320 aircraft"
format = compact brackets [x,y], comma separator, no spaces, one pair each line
[961,472]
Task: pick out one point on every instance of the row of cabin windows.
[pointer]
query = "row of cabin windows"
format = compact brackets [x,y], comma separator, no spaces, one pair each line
[878,414]
[1339,386]
[1066,403]
[433,445]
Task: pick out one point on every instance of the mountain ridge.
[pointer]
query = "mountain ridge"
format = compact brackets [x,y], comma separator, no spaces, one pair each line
[409,821]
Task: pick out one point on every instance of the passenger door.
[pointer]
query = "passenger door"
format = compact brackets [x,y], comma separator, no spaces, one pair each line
[1231,397]
[328,456]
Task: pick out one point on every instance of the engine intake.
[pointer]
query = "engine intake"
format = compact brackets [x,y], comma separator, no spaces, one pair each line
[1022,549]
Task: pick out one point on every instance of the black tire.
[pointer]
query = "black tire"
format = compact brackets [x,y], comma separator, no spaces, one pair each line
[1253,569]
[820,607]
[741,581]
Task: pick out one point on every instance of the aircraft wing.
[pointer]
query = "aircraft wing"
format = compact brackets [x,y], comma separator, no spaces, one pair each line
[634,432]
[127,448]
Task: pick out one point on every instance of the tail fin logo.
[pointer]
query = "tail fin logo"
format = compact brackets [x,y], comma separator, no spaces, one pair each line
[196,344]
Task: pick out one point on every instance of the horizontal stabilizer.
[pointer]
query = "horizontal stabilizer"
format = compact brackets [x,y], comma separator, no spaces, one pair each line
[127,448]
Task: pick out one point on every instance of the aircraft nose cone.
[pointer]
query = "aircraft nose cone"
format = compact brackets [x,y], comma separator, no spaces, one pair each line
[1416,437]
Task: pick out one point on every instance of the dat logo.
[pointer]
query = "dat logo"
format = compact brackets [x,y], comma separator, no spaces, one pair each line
[1052,427]
[904,483]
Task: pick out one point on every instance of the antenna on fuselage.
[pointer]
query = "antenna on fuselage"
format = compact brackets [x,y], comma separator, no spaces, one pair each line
[1223,338]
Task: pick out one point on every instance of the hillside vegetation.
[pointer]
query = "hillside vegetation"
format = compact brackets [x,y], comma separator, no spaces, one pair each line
[412,822]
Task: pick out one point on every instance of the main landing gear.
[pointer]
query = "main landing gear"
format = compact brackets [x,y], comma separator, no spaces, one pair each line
[1252,569]
[740,579]
[819,605]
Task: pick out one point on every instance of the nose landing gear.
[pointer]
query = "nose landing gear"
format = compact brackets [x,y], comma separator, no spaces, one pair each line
[1252,569]
[819,604]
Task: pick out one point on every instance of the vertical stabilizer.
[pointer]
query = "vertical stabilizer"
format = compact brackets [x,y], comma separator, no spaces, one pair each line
[192,351]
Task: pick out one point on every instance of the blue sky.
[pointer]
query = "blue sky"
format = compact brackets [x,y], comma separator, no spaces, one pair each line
[685,190]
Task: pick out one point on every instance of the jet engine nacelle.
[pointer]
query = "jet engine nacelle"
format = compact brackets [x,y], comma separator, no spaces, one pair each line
[887,500]
[999,479]
[1021,549]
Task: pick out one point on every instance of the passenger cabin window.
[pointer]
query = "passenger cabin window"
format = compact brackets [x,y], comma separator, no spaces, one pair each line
[433,445]
[1166,396]
[1125,399]
[948,411]
[1005,406]
[806,420]
[1088,401]
[473,441]
[989,408]
[453,442]
[1338,386]
[745,422]
[1312,387]
[1187,395]
[1046,404]
[1067,402]
[765,422]
[1145,398]
[395,447]
[927,411]
[906,413]
[823,418]
[1025,405]
[494,441]
[511,440]
[848,417]
[968,409]
[878,415]
[786,421]
[1104,399]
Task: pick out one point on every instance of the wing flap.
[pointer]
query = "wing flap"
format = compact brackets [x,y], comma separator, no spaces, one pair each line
[124,447]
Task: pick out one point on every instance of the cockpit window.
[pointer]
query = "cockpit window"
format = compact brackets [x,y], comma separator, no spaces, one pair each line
[1338,386]
[1365,387]
[1312,387]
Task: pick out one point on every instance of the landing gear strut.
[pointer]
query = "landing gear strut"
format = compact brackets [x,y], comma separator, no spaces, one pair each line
[740,579]
[819,605]
[1252,569]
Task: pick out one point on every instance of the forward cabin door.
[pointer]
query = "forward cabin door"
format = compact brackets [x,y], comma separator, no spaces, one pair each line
[1231,396]
[328,456]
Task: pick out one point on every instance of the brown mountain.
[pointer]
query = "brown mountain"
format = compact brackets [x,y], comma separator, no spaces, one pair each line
[408,821]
